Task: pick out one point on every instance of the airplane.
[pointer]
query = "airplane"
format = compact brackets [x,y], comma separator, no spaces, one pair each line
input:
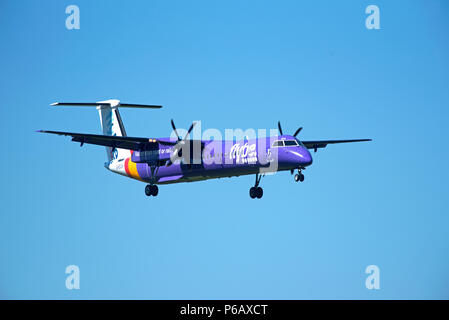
[159,161]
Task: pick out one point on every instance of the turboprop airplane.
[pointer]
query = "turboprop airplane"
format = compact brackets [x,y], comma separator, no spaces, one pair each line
[158,161]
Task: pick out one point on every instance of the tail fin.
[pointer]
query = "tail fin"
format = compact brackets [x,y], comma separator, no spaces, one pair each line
[111,121]
[112,125]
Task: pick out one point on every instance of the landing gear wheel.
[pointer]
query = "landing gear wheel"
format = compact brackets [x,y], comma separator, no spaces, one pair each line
[151,190]
[154,190]
[253,192]
[299,176]
[148,190]
[259,192]
[256,191]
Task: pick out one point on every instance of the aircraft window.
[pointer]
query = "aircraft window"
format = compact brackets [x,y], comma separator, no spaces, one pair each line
[278,143]
[290,143]
[300,143]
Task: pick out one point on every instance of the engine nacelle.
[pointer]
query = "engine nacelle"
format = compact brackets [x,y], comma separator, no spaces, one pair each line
[149,156]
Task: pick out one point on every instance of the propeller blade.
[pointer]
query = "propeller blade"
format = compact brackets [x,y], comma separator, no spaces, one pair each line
[280,128]
[174,129]
[297,131]
[176,154]
[190,130]
[177,149]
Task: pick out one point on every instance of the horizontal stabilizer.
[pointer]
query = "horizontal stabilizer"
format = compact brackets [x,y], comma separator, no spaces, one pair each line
[111,103]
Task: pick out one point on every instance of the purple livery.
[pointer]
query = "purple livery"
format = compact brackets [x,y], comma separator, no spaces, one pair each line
[180,159]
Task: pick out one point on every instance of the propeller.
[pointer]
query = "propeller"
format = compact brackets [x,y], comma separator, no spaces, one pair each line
[296,132]
[176,131]
[280,128]
[177,152]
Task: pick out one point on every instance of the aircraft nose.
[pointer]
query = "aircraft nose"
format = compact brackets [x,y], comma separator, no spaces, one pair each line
[301,157]
[307,160]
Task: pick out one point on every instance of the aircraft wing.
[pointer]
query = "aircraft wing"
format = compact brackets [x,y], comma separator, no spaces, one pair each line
[131,143]
[323,143]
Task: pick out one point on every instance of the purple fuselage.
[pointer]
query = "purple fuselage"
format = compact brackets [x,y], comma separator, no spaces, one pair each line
[217,159]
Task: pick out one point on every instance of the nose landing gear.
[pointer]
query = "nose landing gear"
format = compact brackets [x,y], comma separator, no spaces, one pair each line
[299,176]
[256,191]
[151,190]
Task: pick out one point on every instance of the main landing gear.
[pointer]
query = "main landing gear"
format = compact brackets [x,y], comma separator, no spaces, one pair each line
[299,176]
[151,190]
[256,191]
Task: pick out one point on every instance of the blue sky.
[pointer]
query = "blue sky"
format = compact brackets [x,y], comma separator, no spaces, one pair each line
[230,64]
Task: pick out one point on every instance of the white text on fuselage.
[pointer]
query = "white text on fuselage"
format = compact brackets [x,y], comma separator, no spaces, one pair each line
[244,154]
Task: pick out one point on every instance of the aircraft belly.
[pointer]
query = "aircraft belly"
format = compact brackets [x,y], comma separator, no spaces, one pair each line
[185,173]
[177,173]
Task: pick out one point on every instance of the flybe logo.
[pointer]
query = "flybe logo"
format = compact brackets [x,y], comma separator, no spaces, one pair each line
[114,153]
[243,154]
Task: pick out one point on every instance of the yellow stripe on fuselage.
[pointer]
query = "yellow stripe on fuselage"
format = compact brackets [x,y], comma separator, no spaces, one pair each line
[132,167]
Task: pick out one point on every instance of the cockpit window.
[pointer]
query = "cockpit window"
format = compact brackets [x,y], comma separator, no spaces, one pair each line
[300,143]
[278,143]
[289,143]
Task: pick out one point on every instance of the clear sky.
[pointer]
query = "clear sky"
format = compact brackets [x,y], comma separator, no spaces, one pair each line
[230,64]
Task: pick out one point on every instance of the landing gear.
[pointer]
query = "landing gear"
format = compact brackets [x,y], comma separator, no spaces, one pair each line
[299,176]
[256,191]
[155,190]
[151,190]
